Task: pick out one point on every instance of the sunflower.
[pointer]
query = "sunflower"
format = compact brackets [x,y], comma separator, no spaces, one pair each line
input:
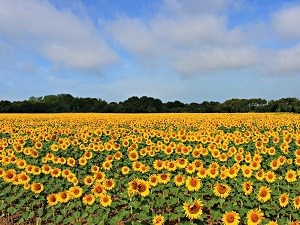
[190,168]
[171,166]
[255,217]
[232,172]
[231,218]
[254,165]
[71,162]
[23,178]
[52,199]
[284,200]
[179,180]
[88,180]
[88,155]
[164,178]
[193,210]
[158,220]
[133,187]
[247,171]
[9,175]
[260,175]
[36,170]
[212,172]
[21,163]
[143,188]
[181,162]
[94,169]
[291,176]
[29,168]
[272,223]
[274,164]
[193,183]
[56,172]
[158,165]
[264,194]
[202,172]
[82,161]
[109,184]
[221,190]
[88,199]
[26,186]
[133,155]
[196,153]
[2,172]
[46,169]
[37,188]
[270,176]
[153,180]
[75,192]
[105,200]
[98,190]
[296,203]
[125,170]
[239,157]
[247,187]
[107,165]
[63,196]
[99,176]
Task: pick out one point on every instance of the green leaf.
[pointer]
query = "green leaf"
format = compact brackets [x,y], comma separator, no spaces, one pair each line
[58,218]
[75,215]
[95,220]
[146,208]
[2,205]
[84,215]
[242,212]
[31,214]
[216,214]
[143,216]
[93,208]
[64,211]
[173,216]
[211,202]
[134,204]
[40,211]
[68,220]
[11,210]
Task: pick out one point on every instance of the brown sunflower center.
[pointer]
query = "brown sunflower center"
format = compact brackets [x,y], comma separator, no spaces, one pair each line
[230,218]
[142,187]
[164,176]
[254,217]
[193,182]
[179,179]
[194,209]
[37,187]
[222,189]
[263,193]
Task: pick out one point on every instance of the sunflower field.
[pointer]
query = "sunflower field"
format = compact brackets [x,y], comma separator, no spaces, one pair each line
[150,169]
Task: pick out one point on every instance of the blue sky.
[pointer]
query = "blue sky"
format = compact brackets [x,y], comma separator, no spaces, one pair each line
[190,51]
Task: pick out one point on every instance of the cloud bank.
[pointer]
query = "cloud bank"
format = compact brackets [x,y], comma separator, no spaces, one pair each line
[59,36]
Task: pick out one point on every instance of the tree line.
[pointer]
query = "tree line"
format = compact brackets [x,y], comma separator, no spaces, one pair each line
[67,103]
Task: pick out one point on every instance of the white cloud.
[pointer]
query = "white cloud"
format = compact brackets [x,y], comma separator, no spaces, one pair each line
[214,59]
[286,22]
[59,36]
[134,35]
[189,41]
[288,60]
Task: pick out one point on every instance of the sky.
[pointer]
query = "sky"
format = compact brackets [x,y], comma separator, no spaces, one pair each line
[186,50]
